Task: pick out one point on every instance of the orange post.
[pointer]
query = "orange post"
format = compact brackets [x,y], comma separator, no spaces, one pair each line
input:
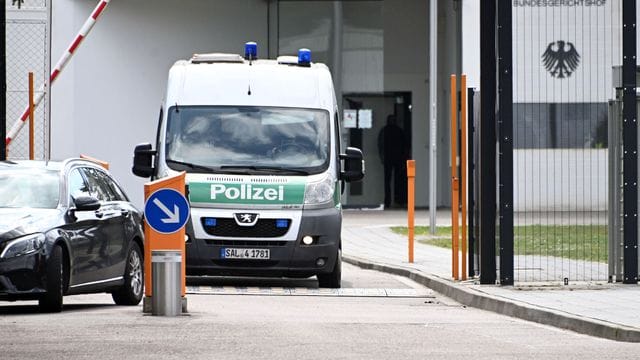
[155,240]
[463,170]
[454,179]
[31,119]
[411,180]
[102,163]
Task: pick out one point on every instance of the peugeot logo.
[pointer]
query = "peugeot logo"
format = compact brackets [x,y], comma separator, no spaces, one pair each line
[246,219]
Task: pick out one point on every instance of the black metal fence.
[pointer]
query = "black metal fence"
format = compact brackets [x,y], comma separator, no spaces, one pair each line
[553,67]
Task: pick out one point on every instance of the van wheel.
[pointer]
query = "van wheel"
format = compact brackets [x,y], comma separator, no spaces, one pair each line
[333,279]
[131,292]
[51,301]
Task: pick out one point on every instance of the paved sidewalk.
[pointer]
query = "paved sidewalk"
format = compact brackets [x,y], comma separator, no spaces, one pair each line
[598,309]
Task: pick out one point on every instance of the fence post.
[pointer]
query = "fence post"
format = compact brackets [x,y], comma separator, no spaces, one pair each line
[505,124]
[630,143]
[487,136]
[471,182]
[454,179]
[463,172]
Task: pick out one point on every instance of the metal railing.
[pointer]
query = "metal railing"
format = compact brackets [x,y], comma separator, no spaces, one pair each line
[27,43]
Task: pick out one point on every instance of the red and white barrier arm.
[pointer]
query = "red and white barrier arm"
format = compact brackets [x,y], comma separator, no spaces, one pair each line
[84,31]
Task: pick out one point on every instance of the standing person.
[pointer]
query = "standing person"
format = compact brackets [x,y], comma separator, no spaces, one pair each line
[391,147]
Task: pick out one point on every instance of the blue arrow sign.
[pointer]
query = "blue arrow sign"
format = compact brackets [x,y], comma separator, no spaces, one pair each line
[166,211]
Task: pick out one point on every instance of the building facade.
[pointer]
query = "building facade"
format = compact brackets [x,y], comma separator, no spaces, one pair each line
[108,98]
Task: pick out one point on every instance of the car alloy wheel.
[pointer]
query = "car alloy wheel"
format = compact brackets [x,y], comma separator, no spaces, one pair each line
[135,273]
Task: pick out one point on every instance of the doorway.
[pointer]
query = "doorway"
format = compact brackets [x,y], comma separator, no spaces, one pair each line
[364,117]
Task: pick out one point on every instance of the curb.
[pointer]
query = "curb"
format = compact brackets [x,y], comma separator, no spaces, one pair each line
[524,311]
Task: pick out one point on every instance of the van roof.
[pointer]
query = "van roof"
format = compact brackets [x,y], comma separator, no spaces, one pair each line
[228,79]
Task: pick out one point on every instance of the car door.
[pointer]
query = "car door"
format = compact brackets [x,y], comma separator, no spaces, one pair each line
[87,244]
[113,216]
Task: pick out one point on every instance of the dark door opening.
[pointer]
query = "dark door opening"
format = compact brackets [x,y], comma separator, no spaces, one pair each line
[364,118]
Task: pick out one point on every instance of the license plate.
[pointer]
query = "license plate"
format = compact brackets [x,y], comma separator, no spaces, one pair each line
[237,253]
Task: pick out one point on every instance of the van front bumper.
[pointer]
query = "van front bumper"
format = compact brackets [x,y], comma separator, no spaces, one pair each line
[288,258]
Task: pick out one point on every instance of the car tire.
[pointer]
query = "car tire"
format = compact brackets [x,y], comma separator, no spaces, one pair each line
[334,278]
[131,292]
[51,301]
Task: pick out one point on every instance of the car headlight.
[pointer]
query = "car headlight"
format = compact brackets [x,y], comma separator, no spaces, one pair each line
[23,246]
[319,192]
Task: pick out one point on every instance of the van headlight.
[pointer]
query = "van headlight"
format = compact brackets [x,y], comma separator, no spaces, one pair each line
[319,192]
[23,246]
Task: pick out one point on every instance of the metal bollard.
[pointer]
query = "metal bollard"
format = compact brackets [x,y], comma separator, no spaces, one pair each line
[166,266]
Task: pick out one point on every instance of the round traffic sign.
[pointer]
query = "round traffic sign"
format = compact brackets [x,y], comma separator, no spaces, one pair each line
[166,211]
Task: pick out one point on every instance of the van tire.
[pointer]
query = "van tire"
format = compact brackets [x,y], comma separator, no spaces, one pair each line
[51,301]
[131,291]
[333,279]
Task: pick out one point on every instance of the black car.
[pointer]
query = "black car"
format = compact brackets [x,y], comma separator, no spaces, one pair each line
[67,228]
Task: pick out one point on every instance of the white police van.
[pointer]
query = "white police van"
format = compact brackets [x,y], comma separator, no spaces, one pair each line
[260,142]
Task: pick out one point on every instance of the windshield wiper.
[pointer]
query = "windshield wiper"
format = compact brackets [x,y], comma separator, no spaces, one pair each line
[276,169]
[191,165]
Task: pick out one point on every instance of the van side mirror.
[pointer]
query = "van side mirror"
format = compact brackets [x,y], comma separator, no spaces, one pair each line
[353,165]
[143,160]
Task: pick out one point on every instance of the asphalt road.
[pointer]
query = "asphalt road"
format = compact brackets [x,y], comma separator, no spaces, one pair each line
[360,324]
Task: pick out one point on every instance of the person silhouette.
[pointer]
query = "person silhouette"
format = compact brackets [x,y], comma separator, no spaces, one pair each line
[391,148]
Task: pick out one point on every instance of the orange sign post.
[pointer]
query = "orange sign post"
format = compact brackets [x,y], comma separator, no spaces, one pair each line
[156,237]
[411,180]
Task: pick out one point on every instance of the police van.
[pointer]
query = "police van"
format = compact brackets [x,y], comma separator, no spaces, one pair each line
[260,143]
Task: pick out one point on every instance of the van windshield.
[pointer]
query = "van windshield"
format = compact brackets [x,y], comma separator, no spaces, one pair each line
[247,139]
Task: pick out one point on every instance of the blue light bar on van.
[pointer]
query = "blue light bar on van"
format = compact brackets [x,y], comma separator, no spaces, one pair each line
[304,57]
[251,50]
[282,223]
[210,222]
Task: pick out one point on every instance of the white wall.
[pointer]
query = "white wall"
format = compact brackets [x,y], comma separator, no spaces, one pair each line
[406,69]
[471,42]
[107,99]
[560,180]
[447,65]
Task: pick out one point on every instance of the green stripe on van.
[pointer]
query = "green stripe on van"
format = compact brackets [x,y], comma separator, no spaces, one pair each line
[247,193]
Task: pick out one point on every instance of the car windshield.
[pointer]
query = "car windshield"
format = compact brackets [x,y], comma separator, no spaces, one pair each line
[247,139]
[32,189]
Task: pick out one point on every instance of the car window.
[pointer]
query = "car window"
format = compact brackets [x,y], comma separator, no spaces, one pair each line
[98,186]
[30,188]
[77,185]
[118,194]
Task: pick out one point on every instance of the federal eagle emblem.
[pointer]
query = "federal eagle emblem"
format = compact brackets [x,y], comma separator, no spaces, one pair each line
[561,60]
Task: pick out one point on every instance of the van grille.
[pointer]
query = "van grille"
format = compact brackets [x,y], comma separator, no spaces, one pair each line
[249,243]
[264,228]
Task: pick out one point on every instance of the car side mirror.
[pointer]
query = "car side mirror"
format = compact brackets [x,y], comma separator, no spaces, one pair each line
[143,160]
[353,165]
[86,203]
